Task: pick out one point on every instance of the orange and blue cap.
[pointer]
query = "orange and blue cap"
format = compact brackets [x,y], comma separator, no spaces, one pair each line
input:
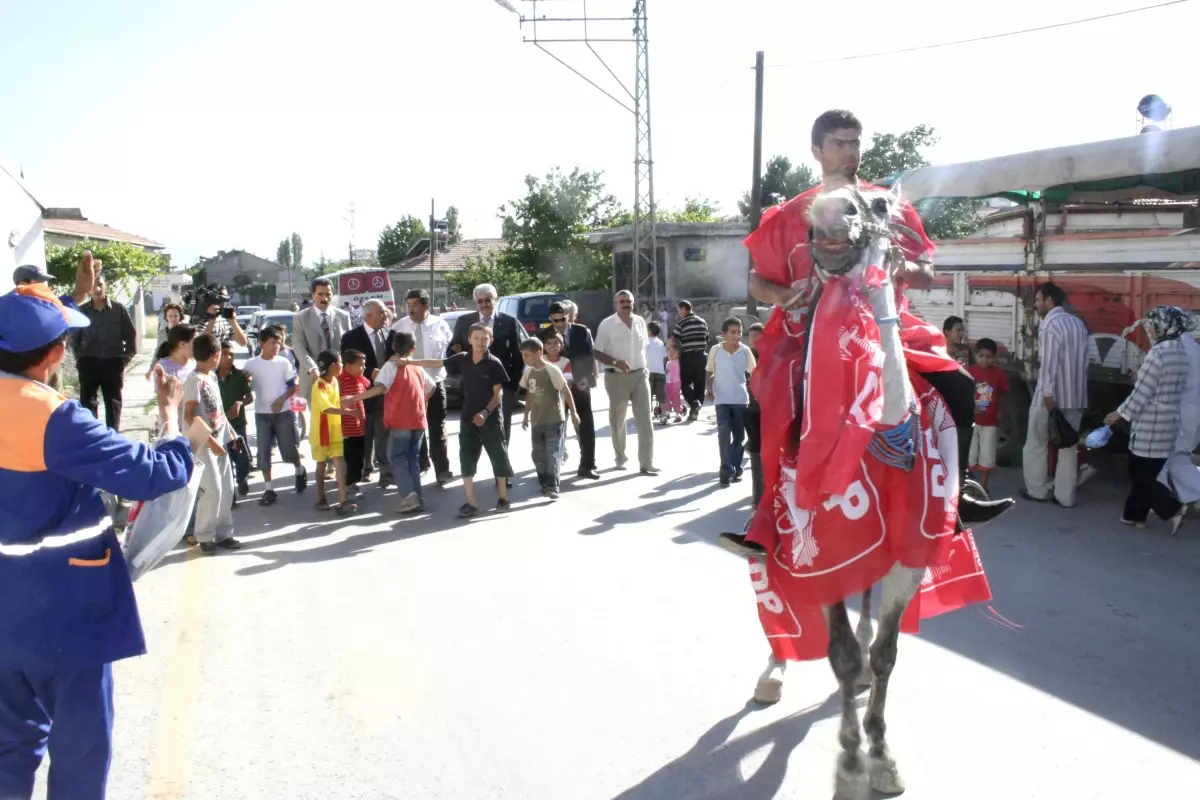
[32,317]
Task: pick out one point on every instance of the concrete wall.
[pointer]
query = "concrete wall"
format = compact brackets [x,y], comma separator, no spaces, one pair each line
[722,272]
[404,281]
[223,270]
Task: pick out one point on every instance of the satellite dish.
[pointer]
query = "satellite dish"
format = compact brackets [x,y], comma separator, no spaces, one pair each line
[1154,108]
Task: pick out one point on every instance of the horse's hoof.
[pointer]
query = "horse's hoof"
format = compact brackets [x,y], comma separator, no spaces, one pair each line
[769,689]
[851,786]
[885,777]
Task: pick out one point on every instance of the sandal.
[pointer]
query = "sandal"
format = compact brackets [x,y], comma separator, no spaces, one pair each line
[323,505]
[345,509]
[190,540]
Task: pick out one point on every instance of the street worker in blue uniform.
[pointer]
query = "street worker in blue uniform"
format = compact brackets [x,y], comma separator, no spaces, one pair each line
[67,609]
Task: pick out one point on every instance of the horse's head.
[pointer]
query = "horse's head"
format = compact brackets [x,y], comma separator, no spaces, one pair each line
[851,227]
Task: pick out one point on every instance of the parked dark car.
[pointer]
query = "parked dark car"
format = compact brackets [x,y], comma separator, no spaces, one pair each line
[261,320]
[453,382]
[532,309]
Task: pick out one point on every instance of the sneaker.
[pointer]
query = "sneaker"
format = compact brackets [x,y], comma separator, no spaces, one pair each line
[724,480]
[229,544]
[268,499]
[411,503]
[737,476]
[547,491]
[467,510]
[243,488]
[301,481]
[384,482]
[1139,525]
[502,505]
[208,547]
[444,477]
[650,470]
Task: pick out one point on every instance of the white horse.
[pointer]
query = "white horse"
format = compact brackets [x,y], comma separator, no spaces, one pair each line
[852,229]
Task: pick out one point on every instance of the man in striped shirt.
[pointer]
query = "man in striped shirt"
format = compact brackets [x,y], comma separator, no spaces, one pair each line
[1062,384]
[691,337]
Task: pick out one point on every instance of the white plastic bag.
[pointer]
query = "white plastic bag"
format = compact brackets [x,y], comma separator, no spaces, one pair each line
[157,525]
[1099,437]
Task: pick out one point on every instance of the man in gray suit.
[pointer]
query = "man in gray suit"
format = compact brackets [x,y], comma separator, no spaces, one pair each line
[316,328]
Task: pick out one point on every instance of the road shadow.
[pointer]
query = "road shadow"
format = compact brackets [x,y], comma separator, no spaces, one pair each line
[392,530]
[648,511]
[712,769]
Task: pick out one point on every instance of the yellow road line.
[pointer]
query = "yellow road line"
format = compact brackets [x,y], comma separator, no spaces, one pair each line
[174,735]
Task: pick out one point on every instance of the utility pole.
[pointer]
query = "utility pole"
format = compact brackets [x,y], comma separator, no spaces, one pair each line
[432,250]
[645,280]
[756,182]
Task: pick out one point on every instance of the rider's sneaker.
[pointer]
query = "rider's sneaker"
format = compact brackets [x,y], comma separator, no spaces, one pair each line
[736,543]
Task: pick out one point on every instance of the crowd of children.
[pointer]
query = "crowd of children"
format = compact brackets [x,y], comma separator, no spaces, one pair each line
[219,392]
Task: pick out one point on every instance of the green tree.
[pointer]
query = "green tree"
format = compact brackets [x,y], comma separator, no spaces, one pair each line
[125,265]
[454,231]
[891,154]
[283,253]
[396,240]
[297,250]
[546,230]
[509,277]
[781,181]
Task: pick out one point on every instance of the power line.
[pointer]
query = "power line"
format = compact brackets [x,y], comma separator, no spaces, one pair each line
[979,38]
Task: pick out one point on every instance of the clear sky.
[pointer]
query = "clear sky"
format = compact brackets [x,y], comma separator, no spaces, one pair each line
[230,123]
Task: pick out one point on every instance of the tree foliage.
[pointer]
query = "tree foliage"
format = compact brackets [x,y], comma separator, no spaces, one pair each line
[546,230]
[283,253]
[781,181]
[396,240]
[695,209]
[297,251]
[509,277]
[891,154]
[454,231]
[125,265]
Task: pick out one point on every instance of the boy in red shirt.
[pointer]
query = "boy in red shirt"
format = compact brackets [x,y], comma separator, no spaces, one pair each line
[352,383]
[991,384]
[406,389]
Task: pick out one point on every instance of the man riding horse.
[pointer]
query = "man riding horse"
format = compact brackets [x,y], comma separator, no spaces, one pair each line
[782,276]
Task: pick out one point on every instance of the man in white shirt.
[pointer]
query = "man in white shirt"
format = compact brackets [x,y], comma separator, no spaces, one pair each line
[1062,383]
[621,342]
[432,336]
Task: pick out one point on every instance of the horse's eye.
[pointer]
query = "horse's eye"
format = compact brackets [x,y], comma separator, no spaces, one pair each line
[879,206]
[850,210]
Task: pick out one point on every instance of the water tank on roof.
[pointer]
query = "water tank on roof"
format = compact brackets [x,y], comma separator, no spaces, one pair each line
[1154,108]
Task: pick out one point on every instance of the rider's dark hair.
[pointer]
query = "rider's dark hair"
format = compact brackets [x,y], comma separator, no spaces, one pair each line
[1052,292]
[836,120]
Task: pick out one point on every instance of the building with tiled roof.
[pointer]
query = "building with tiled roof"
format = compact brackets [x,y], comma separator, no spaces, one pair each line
[413,272]
[68,226]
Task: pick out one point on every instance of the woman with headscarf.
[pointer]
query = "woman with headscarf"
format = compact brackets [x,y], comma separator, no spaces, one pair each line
[1153,411]
[1180,473]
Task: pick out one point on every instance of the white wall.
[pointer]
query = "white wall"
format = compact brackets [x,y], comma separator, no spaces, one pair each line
[21,238]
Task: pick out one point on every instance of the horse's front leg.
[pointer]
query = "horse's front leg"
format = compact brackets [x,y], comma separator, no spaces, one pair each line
[899,586]
[864,634]
[846,659]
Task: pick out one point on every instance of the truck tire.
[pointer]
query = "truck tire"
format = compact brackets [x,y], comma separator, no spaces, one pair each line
[1014,423]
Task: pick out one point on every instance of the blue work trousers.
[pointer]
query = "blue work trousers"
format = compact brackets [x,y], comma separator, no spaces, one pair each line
[69,713]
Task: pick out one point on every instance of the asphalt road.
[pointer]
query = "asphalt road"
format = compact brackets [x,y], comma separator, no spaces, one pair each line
[603,647]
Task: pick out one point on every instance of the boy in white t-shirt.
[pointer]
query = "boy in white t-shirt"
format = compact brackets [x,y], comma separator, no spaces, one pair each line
[656,364]
[274,381]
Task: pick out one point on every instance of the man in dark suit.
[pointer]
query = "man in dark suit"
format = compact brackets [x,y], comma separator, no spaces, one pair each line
[507,335]
[579,349]
[371,339]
